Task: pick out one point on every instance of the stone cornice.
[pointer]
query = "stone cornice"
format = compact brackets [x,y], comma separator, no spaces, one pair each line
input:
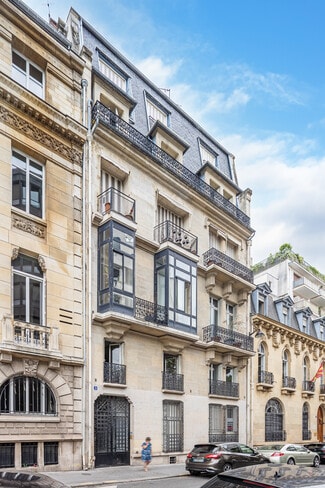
[278,334]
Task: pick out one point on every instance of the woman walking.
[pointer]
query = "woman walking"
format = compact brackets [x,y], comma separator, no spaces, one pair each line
[146,452]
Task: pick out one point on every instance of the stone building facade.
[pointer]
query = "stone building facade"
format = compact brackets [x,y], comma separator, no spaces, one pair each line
[288,308]
[125,253]
[169,251]
[41,287]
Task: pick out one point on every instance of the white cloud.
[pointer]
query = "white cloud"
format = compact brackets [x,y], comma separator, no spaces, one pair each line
[157,71]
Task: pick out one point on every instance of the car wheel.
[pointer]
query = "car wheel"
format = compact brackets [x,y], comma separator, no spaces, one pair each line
[227,467]
[316,462]
[291,461]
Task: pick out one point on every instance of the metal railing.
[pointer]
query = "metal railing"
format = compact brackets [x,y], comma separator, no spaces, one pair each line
[150,312]
[265,377]
[322,389]
[224,388]
[214,256]
[306,435]
[229,337]
[172,381]
[114,373]
[308,385]
[104,115]
[275,435]
[224,437]
[168,231]
[289,382]
[115,200]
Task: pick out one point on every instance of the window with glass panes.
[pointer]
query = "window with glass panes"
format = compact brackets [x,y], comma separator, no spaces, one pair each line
[28,286]
[26,395]
[27,184]
[173,426]
[116,267]
[27,74]
[176,289]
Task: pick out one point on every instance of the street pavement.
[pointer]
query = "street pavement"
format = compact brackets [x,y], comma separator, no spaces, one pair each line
[110,477]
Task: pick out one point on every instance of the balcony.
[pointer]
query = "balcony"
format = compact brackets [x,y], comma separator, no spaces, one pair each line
[116,201]
[310,291]
[109,119]
[265,380]
[224,437]
[168,231]
[288,384]
[224,388]
[150,312]
[213,256]
[172,381]
[227,337]
[19,335]
[114,373]
[308,388]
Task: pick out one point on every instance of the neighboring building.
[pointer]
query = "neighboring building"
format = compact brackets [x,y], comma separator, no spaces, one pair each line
[41,333]
[288,307]
[169,255]
[125,253]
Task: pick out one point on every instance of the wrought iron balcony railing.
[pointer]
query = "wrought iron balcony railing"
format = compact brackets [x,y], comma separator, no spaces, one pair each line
[112,199]
[150,311]
[288,382]
[172,381]
[114,373]
[322,389]
[265,377]
[108,118]
[213,256]
[275,435]
[224,388]
[224,437]
[168,231]
[308,386]
[229,337]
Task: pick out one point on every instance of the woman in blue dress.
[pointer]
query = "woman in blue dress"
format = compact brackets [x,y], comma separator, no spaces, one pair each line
[146,452]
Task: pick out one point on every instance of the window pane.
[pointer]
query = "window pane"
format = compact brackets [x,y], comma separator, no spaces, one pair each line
[34,396]
[19,394]
[28,454]
[35,302]
[104,266]
[51,450]
[20,298]
[128,274]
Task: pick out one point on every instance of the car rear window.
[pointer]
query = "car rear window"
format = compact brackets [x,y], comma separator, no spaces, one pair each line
[204,448]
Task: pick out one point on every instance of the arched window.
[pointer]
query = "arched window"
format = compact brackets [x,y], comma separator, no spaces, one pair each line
[26,395]
[274,421]
[306,434]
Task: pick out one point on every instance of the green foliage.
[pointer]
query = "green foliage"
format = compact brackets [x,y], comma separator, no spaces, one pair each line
[286,252]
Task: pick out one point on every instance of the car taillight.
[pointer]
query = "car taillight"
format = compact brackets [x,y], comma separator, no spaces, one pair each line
[190,455]
[277,454]
[213,456]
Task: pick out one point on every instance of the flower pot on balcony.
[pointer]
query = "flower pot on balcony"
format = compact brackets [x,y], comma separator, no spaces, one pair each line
[107,207]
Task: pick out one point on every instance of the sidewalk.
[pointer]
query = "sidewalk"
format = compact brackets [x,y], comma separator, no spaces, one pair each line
[110,477]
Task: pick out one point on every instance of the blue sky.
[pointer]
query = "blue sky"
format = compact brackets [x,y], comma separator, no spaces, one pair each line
[252,73]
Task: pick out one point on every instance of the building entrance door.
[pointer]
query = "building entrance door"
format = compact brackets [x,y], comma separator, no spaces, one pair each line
[320,424]
[112,431]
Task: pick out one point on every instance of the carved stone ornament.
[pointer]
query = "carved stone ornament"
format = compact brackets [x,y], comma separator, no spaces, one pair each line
[28,226]
[41,262]
[30,367]
[15,253]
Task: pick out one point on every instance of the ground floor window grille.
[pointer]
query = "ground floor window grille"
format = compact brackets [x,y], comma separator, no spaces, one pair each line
[173,426]
[51,450]
[29,454]
[7,455]
[223,423]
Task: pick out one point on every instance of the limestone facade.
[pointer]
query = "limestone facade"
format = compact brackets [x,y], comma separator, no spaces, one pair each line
[41,331]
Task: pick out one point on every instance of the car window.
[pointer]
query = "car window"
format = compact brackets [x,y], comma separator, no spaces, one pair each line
[246,449]
[291,448]
[233,449]
[301,449]
[204,448]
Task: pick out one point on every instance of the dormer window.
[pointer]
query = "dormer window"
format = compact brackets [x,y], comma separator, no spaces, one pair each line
[208,156]
[285,315]
[156,112]
[113,74]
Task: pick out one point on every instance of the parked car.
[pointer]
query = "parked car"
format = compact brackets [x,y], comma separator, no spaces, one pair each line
[318,447]
[289,454]
[269,476]
[215,458]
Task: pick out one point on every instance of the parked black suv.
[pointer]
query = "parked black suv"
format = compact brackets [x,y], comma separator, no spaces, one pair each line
[215,458]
